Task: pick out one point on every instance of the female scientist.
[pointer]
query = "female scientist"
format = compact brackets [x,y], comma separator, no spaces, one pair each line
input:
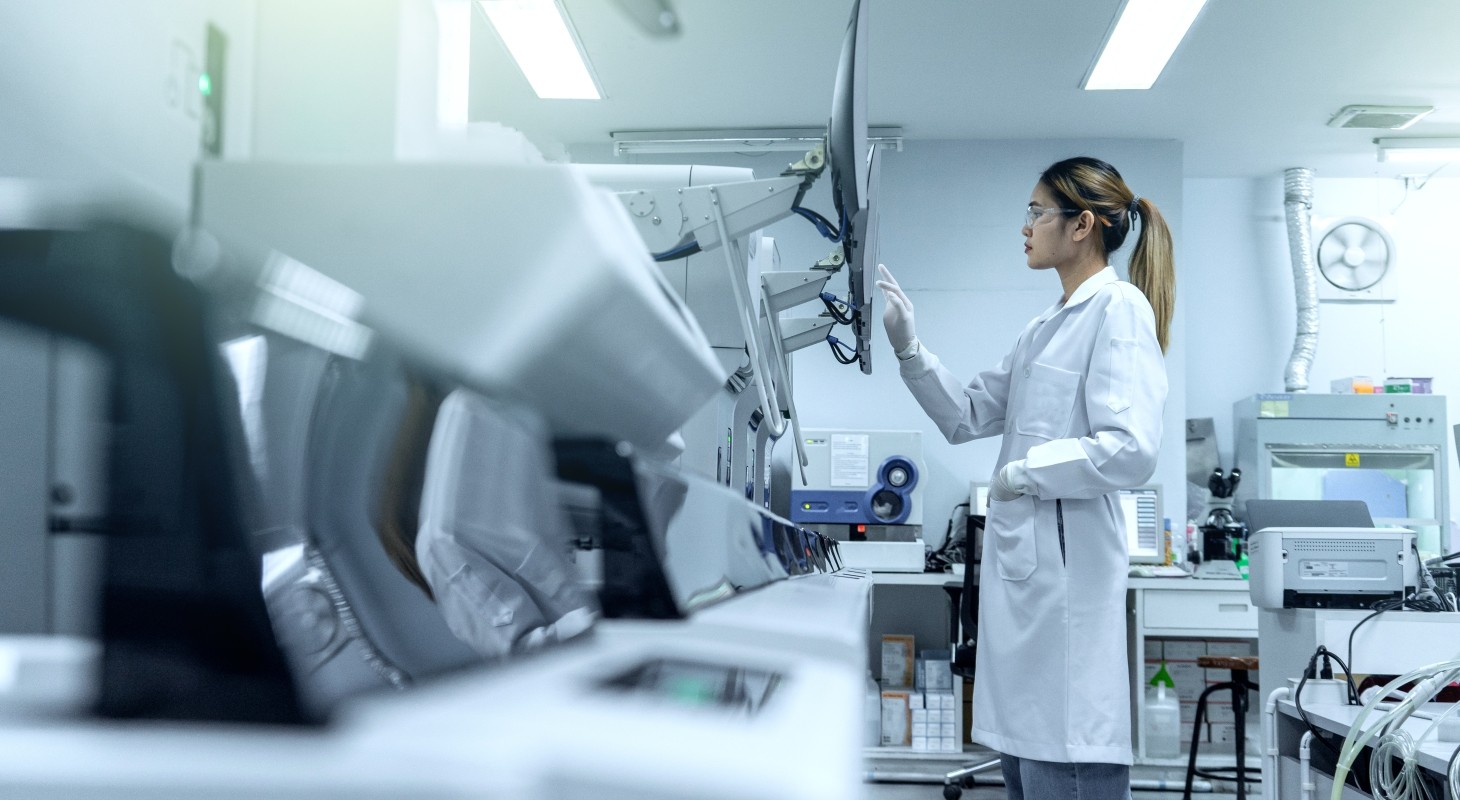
[1079,402]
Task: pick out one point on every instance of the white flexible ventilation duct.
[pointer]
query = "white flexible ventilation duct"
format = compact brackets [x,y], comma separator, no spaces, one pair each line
[1298,202]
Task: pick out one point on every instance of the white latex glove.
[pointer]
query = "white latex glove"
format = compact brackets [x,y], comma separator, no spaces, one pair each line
[897,317]
[1010,482]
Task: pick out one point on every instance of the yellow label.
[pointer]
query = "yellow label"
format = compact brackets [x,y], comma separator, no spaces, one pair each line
[1273,409]
[1350,459]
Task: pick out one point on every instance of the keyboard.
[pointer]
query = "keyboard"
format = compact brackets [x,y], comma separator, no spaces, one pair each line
[1158,571]
[1221,568]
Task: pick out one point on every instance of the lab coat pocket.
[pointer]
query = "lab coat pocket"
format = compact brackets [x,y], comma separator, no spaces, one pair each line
[1047,401]
[1011,525]
[477,613]
[1122,374]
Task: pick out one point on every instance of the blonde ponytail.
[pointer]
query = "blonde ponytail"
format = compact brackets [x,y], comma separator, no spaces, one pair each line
[1153,268]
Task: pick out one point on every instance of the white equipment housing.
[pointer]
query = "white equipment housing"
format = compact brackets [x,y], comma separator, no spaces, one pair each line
[864,488]
[1329,567]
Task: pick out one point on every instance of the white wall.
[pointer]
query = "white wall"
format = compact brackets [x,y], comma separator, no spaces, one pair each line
[98,91]
[951,218]
[1237,278]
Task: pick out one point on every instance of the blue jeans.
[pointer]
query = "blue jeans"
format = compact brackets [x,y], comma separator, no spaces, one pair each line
[1026,779]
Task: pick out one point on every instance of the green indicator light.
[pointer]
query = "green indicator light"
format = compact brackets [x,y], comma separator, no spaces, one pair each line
[205,84]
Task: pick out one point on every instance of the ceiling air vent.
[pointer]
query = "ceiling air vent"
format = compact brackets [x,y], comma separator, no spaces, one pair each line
[1389,118]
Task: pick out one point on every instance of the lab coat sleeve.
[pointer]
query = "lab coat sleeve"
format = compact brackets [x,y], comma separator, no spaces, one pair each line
[962,413]
[1125,396]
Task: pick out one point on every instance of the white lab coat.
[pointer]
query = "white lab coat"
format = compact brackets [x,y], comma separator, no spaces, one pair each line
[493,541]
[1080,398]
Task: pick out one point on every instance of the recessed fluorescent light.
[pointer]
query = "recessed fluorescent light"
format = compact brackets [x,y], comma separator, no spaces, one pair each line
[742,140]
[1141,42]
[540,40]
[1419,150]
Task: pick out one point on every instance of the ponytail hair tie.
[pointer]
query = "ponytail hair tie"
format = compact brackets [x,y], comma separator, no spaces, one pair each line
[1135,204]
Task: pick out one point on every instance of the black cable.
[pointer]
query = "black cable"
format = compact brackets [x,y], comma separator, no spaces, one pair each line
[1303,715]
[948,533]
[1356,630]
[823,225]
[1348,675]
[836,344]
[1298,701]
[682,251]
[832,301]
[1417,604]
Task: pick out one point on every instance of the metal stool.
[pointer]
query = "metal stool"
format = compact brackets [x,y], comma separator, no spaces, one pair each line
[1239,686]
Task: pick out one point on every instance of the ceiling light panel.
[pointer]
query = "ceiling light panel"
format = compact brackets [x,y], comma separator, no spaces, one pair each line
[540,39]
[1144,36]
[1433,150]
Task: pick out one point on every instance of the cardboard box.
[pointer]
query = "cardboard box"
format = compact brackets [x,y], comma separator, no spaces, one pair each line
[1357,384]
[1220,713]
[897,660]
[937,675]
[1153,650]
[919,730]
[896,719]
[949,730]
[950,745]
[1184,650]
[1190,679]
[1225,734]
[919,716]
[1231,650]
[920,743]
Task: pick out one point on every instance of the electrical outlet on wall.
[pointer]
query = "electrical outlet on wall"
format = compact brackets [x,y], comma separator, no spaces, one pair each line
[180,88]
[210,88]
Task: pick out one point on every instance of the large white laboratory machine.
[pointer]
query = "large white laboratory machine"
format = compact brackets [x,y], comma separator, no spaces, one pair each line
[864,487]
[1388,450]
[279,371]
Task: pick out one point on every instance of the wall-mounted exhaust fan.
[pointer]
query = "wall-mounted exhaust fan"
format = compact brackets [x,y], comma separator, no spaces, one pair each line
[1355,257]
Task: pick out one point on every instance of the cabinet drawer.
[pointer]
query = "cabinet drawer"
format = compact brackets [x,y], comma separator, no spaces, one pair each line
[1176,608]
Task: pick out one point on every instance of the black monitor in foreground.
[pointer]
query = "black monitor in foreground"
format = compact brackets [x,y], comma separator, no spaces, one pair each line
[854,176]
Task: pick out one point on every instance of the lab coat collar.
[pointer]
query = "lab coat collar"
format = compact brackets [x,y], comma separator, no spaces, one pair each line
[1085,291]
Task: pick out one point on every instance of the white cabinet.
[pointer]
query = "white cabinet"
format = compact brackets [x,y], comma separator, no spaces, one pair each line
[1185,608]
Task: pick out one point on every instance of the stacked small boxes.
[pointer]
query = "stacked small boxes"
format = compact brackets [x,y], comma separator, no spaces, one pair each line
[1191,680]
[939,726]
[922,704]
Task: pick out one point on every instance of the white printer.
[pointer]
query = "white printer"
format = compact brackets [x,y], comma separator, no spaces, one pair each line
[1295,567]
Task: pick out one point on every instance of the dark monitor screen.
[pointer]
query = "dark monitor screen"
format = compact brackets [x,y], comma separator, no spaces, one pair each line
[861,256]
[854,172]
[1307,514]
[847,131]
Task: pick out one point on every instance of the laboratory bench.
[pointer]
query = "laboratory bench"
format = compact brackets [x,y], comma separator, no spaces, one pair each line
[1160,609]
[1431,756]
[1185,615]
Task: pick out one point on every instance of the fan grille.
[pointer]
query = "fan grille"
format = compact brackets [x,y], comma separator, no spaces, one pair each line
[1354,255]
[1392,118]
